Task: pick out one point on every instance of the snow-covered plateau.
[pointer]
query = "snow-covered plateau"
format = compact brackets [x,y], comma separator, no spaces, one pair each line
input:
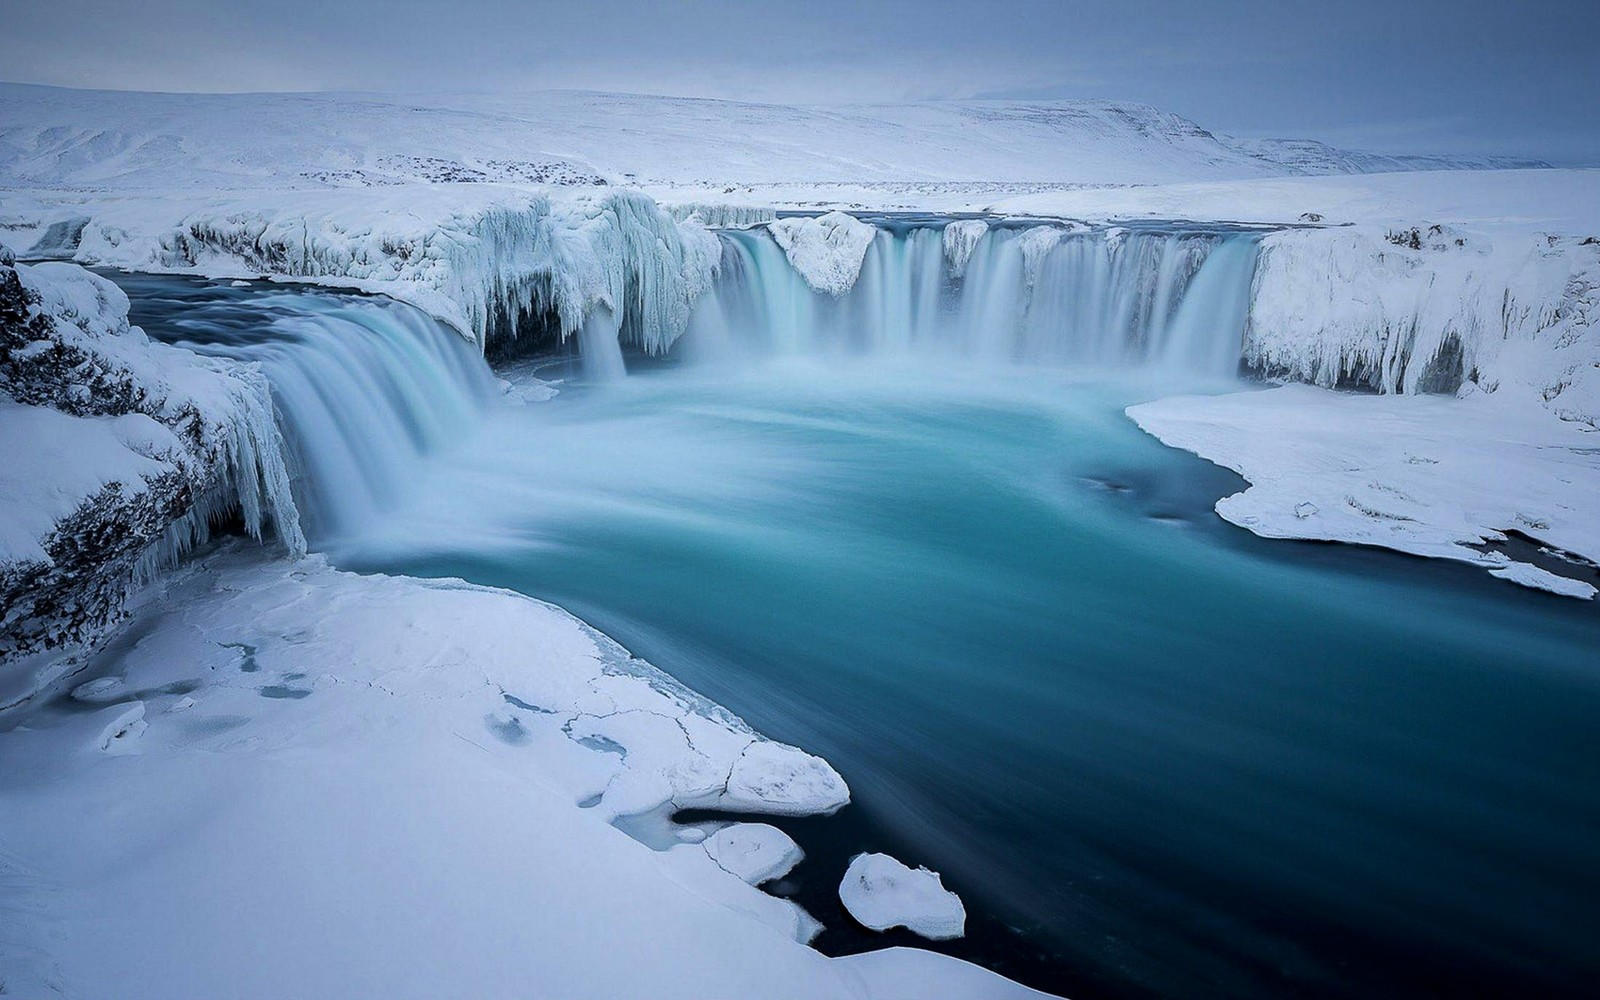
[471,757]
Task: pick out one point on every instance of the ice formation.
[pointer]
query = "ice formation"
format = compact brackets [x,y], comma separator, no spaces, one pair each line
[827,251]
[960,239]
[881,893]
[495,264]
[1426,308]
[755,852]
[121,455]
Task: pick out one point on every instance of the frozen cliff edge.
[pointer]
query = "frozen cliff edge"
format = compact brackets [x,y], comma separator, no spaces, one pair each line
[497,263]
[1430,309]
[121,454]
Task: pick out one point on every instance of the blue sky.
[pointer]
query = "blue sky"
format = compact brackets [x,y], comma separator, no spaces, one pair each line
[1400,76]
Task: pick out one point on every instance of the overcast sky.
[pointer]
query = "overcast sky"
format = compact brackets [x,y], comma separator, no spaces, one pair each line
[1396,75]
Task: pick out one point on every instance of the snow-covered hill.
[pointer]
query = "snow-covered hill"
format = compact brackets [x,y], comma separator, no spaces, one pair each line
[58,137]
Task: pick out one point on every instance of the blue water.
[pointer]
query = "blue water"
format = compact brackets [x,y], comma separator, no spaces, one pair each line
[1184,762]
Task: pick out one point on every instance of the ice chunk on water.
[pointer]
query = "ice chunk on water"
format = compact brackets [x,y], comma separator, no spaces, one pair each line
[774,778]
[755,852]
[881,893]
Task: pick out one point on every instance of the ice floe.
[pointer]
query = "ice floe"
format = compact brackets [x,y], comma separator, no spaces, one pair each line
[881,893]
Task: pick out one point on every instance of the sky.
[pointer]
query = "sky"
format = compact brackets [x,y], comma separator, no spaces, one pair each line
[1469,76]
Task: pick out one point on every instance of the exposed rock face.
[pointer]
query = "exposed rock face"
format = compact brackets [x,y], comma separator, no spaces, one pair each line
[120,454]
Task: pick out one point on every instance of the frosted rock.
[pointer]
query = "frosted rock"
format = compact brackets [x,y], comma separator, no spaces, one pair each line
[881,893]
[827,251]
[1304,509]
[182,704]
[755,852]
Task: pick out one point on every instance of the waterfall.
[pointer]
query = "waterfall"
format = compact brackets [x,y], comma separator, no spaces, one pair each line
[364,387]
[1040,295]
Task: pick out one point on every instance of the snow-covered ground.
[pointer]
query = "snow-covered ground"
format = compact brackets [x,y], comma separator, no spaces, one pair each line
[129,140]
[1420,474]
[453,756]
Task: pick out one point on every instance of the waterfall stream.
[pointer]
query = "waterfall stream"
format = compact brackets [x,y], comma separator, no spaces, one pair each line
[1040,295]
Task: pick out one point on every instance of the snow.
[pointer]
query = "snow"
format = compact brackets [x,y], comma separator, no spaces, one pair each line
[1426,475]
[38,487]
[414,745]
[41,486]
[575,139]
[755,852]
[881,893]
[827,251]
[1524,201]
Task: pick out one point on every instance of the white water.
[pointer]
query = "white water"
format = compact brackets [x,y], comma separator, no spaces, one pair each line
[1041,295]
[365,388]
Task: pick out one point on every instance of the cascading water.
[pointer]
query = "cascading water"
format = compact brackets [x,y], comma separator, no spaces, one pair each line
[364,387]
[1044,294]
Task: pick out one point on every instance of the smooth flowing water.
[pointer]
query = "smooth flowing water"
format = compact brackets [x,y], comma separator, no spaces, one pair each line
[1181,760]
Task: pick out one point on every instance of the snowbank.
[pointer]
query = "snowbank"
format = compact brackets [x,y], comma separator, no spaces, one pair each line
[827,251]
[1426,475]
[290,738]
[120,454]
[881,893]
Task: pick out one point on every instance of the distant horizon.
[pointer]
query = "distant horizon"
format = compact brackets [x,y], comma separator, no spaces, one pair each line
[1429,77]
[1588,163]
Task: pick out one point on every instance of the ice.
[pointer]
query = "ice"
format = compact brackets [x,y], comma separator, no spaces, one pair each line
[1426,475]
[755,852]
[960,239]
[1539,579]
[101,689]
[827,251]
[881,893]
[122,726]
[774,778]
[121,454]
